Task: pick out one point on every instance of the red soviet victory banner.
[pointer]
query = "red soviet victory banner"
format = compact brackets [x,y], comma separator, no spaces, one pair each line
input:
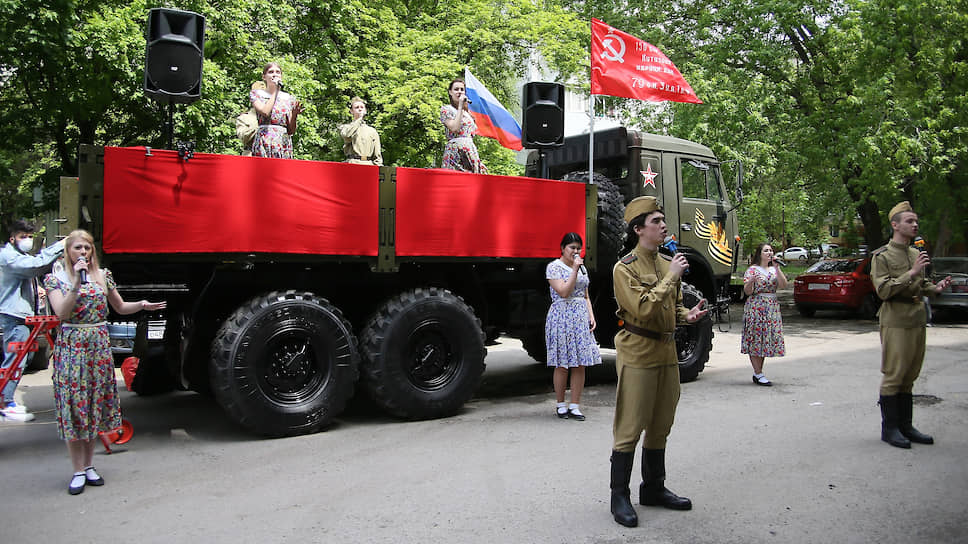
[623,65]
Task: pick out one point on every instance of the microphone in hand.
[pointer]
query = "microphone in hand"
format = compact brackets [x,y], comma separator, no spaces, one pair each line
[670,244]
[82,273]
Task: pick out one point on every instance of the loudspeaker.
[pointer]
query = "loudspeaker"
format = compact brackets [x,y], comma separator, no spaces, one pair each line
[544,115]
[173,58]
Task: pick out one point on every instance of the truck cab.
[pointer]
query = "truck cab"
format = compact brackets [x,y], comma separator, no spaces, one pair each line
[684,176]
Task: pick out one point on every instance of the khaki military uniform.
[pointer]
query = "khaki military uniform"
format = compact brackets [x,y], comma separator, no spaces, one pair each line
[361,143]
[649,298]
[902,316]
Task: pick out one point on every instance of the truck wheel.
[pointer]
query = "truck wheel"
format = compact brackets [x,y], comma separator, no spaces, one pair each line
[284,363]
[693,342]
[611,219]
[423,354]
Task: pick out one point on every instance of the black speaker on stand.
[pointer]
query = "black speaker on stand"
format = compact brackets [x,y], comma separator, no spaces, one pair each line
[543,119]
[173,59]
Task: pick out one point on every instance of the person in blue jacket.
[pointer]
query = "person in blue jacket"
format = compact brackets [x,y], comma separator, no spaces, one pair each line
[19,271]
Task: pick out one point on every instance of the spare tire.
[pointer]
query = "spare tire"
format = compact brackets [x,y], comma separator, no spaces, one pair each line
[611,219]
[693,341]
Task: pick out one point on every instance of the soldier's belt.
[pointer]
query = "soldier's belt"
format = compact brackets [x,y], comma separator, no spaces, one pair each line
[359,157]
[660,336]
[913,299]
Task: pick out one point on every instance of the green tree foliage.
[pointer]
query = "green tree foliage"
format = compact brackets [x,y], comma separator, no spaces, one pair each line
[838,108]
[71,71]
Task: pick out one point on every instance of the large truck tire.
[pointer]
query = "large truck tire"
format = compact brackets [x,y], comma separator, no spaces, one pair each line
[423,354]
[695,341]
[284,363]
[611,218]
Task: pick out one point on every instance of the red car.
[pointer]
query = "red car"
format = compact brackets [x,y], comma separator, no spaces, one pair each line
[837,284]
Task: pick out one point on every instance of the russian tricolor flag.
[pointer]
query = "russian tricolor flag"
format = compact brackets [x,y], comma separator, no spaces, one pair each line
[493,120]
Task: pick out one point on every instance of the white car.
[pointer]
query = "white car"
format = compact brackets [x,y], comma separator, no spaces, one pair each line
[795,253]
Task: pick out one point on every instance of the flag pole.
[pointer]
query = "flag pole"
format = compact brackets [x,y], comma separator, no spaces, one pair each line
[591,138]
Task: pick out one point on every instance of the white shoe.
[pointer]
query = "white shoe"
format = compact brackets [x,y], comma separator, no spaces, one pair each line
[12,414]
[16,408]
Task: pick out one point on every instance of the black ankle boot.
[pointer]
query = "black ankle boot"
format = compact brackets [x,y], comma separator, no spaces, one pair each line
[905,409]
[889,419]
[622,509]
[653,492]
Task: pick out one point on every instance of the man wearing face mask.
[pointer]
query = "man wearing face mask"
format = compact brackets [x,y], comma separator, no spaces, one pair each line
[19,271]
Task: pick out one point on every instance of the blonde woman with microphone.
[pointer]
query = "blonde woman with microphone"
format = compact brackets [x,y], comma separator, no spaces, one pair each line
[85,389]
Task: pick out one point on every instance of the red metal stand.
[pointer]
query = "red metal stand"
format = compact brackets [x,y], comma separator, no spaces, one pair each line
[43,324]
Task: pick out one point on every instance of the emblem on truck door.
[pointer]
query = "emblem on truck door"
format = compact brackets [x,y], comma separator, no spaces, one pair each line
[715,232]
[648,176]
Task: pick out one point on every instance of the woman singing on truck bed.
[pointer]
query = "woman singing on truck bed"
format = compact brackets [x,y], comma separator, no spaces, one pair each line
[277,112]
[460,153]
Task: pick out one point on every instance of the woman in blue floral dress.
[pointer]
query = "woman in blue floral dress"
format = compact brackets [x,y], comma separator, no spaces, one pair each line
[277,112]
[85,389]
[460,153]
[762,324]
[568,328]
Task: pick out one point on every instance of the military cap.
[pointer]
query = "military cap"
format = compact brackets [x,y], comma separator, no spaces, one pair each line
[640,205]
[900,207]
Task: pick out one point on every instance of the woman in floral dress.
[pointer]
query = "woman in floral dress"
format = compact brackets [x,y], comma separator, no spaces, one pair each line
[460,153]
[762,325]
[568,328]
[277,112]
[85,389]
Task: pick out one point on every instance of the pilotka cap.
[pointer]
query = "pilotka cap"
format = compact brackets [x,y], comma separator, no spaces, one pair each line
[640,205]
[900,207]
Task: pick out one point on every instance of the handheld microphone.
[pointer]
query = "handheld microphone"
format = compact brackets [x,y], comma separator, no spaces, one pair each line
[919,243]
[582,268]
[82,274]
[670,244]
[279,84]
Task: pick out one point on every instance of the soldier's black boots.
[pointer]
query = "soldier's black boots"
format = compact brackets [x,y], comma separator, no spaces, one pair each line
[905,409]
[889,421]
[621,474]
[653,492]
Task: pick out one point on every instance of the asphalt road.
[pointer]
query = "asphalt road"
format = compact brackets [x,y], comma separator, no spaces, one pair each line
[798,462]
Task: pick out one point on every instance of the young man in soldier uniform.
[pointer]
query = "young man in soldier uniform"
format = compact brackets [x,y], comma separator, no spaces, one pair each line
[897,271]
[649,296]
[361,142]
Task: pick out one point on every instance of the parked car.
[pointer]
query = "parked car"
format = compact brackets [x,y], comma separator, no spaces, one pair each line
[824,250]
[837,284]
[955,297]
[795,253]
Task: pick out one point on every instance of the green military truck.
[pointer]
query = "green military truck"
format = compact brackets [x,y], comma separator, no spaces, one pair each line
[686,178]
[290,281]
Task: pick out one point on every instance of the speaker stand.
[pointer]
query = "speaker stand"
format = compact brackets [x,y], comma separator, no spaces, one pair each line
[170,126]
[543,172]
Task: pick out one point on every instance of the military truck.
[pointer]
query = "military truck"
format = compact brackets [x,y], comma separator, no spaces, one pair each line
[686,178]
[289,281]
